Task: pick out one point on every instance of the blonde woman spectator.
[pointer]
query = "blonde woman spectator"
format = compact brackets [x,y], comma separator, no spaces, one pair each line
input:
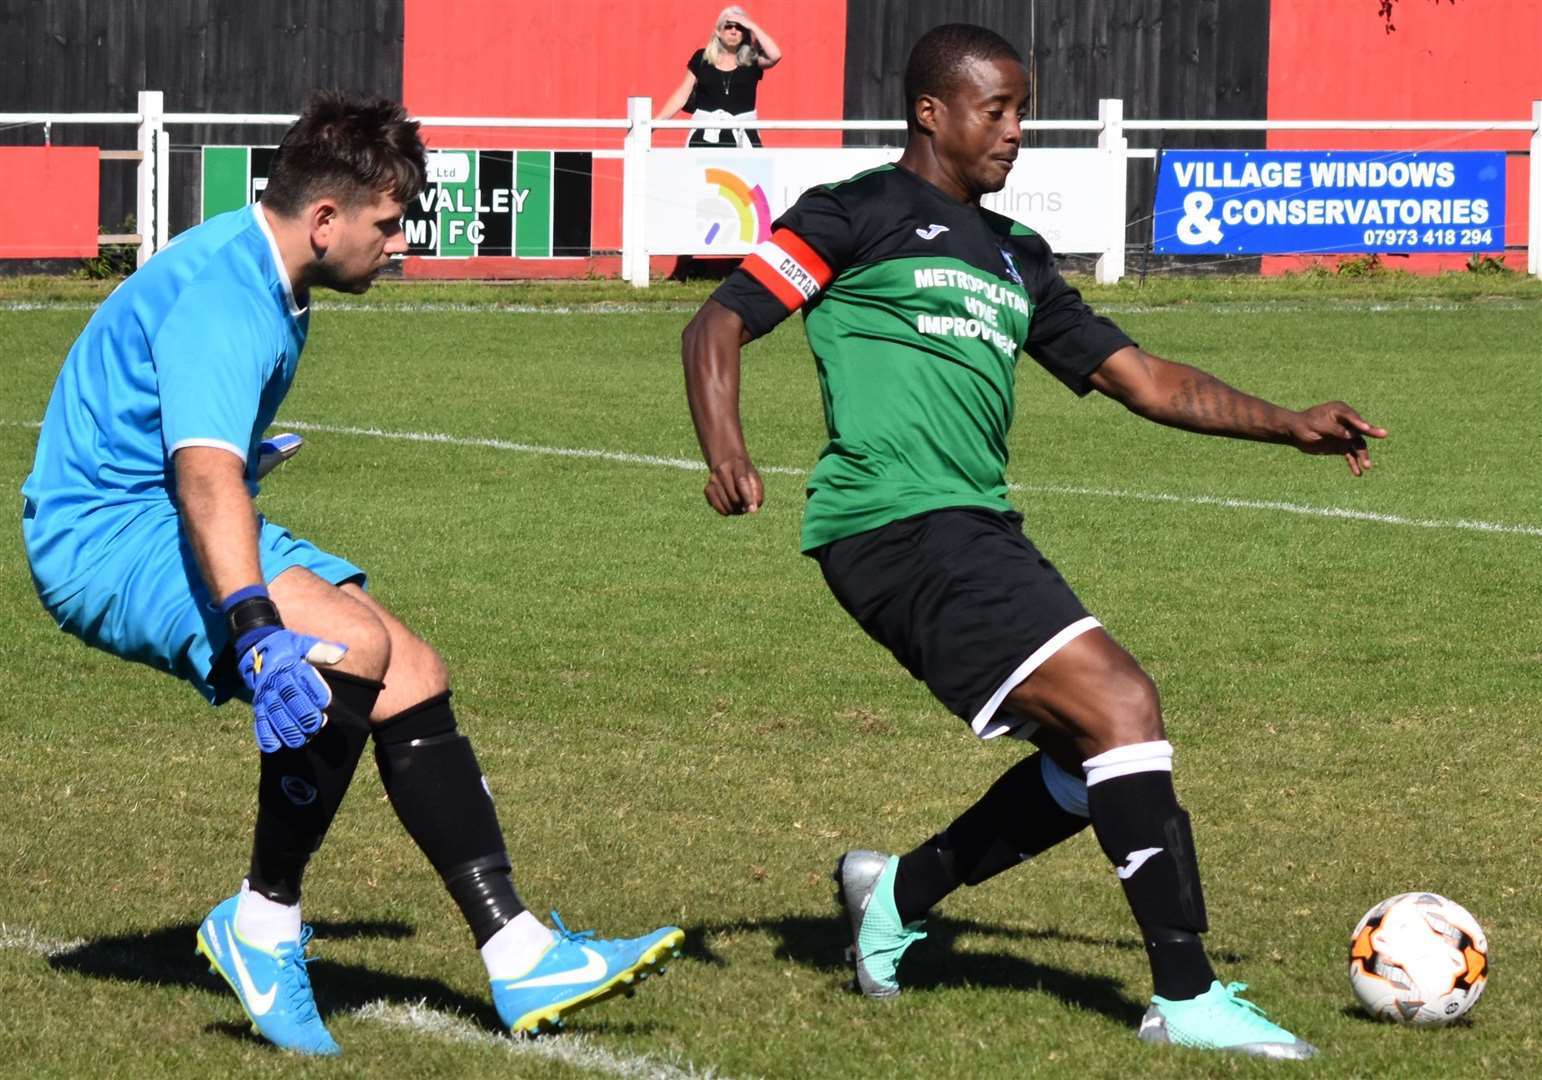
[721,80]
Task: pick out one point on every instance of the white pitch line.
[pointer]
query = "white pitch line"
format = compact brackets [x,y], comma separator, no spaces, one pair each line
[677,307]
[22,939]
[1343,513]
[621,456]
[570,1048]
[1340,513]
[424,307]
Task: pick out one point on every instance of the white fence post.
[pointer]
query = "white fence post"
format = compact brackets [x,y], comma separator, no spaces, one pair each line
[152,105]
[634,191]
[1534,210]
[162,184]
[1111,140]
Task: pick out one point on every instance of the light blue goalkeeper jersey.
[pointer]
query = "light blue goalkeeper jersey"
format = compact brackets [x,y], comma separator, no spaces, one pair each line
[196,348]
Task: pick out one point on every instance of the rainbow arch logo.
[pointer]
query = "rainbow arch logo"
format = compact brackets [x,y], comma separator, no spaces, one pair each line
[749,205]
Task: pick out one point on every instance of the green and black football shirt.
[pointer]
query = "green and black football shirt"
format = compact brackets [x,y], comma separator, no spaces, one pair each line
[916,306]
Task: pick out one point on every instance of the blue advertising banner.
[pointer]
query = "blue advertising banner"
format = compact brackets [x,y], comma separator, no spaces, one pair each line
[1279,202]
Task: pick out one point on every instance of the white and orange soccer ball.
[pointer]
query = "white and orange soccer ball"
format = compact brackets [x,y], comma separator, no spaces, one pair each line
[1419,959]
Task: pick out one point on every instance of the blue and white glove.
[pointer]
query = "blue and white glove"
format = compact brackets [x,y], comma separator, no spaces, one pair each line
[275,450]
[279,667]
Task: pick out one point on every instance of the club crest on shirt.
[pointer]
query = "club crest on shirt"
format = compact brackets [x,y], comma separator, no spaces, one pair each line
[1006,257]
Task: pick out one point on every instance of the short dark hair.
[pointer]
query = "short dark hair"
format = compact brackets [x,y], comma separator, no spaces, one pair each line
[351,149]
[937,58]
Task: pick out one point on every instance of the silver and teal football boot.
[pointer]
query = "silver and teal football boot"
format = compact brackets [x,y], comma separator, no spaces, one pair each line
[878,937]
[1220,1019]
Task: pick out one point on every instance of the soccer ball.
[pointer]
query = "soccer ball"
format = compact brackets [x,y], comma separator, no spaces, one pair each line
[1418,959]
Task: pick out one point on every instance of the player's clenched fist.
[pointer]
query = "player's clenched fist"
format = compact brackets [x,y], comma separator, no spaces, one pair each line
[734,487]
[279,667]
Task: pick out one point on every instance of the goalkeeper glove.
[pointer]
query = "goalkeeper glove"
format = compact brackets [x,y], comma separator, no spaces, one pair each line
[274,451]
[279,668]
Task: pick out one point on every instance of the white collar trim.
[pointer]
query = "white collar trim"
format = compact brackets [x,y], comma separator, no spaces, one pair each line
[278,259]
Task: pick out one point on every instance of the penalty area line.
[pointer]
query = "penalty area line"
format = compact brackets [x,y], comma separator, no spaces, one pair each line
[1341,512]
[1279,506]
[1283,306]
[569,1048]
[620,456]
[1219,501]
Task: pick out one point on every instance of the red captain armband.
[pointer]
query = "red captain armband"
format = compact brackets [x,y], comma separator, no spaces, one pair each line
[791,270]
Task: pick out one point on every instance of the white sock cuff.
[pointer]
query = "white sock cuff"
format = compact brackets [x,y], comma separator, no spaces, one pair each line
[263,922]
[1069,792]
[1124,760]
[517,947]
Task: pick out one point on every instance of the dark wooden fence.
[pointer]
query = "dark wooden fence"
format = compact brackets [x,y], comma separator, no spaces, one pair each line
[206,55]
[1167,59]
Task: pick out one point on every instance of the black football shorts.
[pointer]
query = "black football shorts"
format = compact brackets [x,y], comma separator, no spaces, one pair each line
[961,598]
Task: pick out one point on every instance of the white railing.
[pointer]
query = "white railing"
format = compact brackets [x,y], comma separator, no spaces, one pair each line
[153,153]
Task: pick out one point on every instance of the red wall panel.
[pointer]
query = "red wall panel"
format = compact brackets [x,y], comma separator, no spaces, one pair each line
[584,58]
[48,202]
[1472,60]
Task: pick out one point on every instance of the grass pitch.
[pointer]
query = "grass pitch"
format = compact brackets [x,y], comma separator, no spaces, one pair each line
[680,725]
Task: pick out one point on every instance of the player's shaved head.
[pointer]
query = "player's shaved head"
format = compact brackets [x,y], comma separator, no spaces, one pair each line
[348,149]
[941,55]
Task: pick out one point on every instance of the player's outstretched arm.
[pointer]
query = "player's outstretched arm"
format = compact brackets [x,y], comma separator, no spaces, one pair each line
[709,348]
[1185,397]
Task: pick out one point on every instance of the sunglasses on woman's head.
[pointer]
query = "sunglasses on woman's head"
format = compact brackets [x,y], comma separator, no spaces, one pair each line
[733,26]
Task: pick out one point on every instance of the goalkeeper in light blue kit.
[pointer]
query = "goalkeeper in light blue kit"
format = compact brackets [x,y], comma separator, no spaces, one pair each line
[143,541]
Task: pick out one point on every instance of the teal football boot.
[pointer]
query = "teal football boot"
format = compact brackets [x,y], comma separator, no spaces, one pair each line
[579,970]
[1220,1019]
[273,987]
[878,937]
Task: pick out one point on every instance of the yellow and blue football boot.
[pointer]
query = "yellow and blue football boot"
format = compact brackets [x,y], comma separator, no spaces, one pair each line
[273,987]
[579,970]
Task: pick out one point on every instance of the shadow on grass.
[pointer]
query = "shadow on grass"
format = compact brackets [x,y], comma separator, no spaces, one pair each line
[165,957]
[1355,1012]
[820,943]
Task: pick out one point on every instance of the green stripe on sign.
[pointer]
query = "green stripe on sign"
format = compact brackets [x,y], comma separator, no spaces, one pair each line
[455,225]
[225,179]
[532,227]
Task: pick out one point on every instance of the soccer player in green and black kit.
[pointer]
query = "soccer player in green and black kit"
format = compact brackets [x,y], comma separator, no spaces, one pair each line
[916,303]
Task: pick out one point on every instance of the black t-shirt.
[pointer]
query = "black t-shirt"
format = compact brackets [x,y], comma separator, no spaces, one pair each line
[730,91]
[916,306]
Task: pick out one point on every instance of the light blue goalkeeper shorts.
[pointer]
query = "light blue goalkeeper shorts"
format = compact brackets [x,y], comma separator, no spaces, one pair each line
[149,604]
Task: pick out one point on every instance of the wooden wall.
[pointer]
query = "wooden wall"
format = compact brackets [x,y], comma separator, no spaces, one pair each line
[1167,59]
[206,55]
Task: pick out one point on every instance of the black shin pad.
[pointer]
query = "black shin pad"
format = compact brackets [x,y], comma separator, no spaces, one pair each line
[437,789]
[1146,835]
[300,789]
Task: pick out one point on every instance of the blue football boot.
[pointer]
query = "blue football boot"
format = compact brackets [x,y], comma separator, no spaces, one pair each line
[579,970]
[273,987]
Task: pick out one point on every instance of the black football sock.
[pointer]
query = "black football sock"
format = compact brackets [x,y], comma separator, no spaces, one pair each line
[300,789]
[437,789]
[1016,819]
[1146,835]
